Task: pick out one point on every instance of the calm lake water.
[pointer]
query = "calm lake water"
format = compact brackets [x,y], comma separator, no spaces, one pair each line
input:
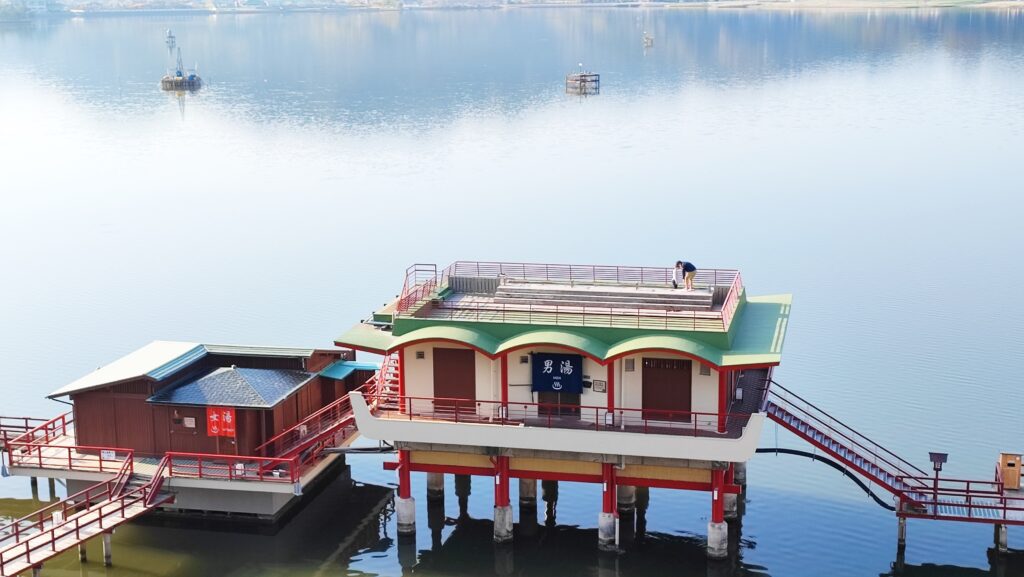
[868,162]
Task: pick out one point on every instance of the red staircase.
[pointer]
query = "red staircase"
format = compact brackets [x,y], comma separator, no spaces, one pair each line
[60,526]
[335,422]
[918,493]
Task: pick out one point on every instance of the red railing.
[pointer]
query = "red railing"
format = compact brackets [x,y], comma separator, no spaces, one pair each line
[573,273]
[67,457]
[962,500]
[420,284]
[158,480]
[860,445]
[573,315]
[420,281]
[42,545]
[13,427]
[44,431]
[232,468]
[562,416]
[318,427]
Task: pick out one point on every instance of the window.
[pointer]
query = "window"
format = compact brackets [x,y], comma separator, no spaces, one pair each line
[524,360]
[705,371]
[421,355]
[630,365]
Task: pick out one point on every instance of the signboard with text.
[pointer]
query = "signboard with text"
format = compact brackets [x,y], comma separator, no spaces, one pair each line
[220,422]
[559,373]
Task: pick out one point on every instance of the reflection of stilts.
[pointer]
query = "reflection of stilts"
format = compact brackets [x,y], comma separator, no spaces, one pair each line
[171,42]
[549,490]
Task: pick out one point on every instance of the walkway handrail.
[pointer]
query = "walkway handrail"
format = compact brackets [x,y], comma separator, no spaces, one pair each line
[550,415]
[38,519]
[67,457]
[59,423]
[901,466]
[157,482]
[232,467]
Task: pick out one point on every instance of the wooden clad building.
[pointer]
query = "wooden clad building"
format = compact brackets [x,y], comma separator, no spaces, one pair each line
[156,400]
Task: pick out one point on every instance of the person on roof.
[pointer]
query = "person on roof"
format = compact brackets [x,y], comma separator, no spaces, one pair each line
[683,273]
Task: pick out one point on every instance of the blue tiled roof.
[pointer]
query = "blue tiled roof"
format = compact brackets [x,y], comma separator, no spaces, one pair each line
[235,387]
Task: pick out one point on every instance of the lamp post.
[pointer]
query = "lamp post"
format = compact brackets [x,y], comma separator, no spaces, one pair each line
[937,460]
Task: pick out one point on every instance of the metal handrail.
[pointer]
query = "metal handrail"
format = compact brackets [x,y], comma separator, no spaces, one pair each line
[901,467]
[75,457]
[653,421]
[213,466]
[65,420]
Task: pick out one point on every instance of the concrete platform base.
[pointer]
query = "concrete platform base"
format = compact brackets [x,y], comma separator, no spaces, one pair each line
[405,511]
[503,524]
[718,540]
[607,532]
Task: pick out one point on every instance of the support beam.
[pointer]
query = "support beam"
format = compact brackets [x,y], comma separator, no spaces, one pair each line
[405,505]
[435,486]
[723,398]
[901,533]
[718,531]
[51,484]
[108,550]
[82,554]
[502,506]
[37,570]
[607,522]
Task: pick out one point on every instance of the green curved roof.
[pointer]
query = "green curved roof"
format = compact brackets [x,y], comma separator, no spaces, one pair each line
[471,336]
[573,340]
[759,332]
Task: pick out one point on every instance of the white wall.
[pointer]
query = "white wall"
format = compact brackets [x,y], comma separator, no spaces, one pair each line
[419,374]
[705,388]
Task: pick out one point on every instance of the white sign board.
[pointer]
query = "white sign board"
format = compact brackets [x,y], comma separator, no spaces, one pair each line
[189,422]
[108,455]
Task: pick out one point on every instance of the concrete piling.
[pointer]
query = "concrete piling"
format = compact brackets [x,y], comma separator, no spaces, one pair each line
[502,523]
[435,486]
[1000,539]
[82,555]
[730,502]
[901,533]
[626,497]
[37,570]
[108,550]
[34,484]
[528,493]
[739,474]
[607,532]
[51,484]
[405,510]
[718,540]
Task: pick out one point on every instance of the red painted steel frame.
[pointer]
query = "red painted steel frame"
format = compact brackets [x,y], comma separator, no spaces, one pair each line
[611,386]
[404,477]
[501,481]
[609,493]
[717,496]
[504,384]
[723,398]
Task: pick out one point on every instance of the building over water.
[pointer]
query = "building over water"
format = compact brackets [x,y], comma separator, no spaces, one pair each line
[591,374]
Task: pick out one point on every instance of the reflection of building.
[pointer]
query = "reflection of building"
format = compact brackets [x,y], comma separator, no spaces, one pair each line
[575,373]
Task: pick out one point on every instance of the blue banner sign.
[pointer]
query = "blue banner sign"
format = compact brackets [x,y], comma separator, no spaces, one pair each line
[558,373]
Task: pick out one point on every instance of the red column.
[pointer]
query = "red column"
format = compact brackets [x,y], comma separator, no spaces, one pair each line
[609,503]
[401,381]
[611,386]
[404,475]
[501,482]
[717,497]
[504,386]
[723,398]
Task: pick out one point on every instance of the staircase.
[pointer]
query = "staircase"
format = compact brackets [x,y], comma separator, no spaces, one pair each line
[919,494]
[60,526]
[334,423]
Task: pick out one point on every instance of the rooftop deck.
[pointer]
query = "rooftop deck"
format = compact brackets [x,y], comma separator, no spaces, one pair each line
[571,295]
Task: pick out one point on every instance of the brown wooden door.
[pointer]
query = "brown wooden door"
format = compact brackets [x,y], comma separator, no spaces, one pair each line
[566,404]
[454,378]
[667,386]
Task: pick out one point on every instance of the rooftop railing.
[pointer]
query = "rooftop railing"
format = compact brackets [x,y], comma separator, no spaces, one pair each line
[423,281]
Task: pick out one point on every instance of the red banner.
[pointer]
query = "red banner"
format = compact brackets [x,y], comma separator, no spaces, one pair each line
[220,422]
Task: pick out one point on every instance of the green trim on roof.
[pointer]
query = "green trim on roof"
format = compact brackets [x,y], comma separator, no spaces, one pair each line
[471,336]
[756,336]
[573,340]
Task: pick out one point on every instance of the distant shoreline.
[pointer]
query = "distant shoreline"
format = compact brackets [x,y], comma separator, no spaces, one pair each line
[810,5]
